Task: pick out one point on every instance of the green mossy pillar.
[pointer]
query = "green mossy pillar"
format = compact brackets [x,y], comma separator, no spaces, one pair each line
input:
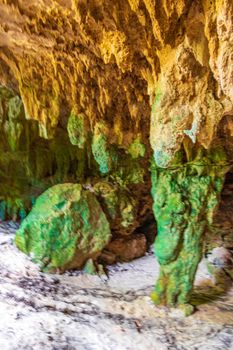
[185,197]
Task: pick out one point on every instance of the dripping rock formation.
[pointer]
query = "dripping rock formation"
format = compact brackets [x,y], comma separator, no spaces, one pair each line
[102,103]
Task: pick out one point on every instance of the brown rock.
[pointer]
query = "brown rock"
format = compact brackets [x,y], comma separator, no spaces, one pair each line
[109,59]
[128,248]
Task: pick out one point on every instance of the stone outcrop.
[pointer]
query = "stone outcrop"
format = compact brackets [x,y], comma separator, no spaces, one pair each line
[91,90]
[65,228]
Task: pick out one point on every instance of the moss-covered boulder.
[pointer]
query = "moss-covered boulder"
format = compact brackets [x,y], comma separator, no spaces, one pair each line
[65,228]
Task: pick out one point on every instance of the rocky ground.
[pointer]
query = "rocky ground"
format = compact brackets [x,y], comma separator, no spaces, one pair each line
[78,311]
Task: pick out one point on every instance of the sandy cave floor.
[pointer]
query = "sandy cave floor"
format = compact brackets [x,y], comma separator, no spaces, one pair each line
[78,311]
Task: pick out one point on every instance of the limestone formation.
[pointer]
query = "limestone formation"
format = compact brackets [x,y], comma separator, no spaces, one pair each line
[65,228]
[93,91]
[185,198]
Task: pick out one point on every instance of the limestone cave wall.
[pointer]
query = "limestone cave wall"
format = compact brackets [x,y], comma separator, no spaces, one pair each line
[91,91]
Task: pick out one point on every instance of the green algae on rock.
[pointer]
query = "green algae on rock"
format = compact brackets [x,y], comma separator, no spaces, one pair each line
[119,206]
[185,197]
[103,152]
[30,164]
[137,149]
[78,129]
[65,228]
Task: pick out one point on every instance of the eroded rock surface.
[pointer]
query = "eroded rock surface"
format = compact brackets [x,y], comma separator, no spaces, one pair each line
[92,89]
[65,228]
[106,60]
[185,199]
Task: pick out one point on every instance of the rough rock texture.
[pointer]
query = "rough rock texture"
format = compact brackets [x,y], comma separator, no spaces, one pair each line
[65,228]
[126,249]
[185,199]
[116,81]
[31,164]
[106,60]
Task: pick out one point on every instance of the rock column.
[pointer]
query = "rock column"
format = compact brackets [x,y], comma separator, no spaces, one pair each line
[185,196]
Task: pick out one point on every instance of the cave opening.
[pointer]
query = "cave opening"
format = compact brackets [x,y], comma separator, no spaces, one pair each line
[221,230]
